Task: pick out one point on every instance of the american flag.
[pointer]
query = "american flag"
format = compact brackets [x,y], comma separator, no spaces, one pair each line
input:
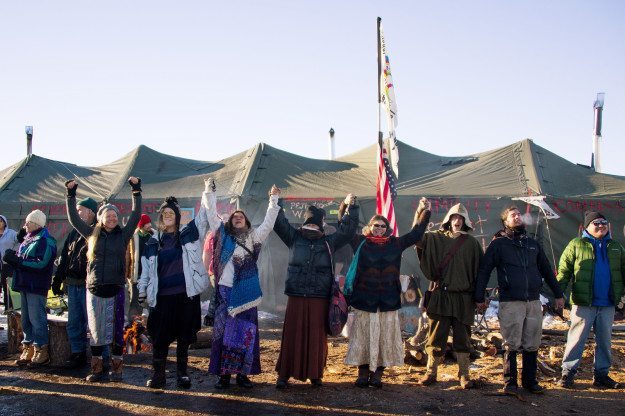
[386,192]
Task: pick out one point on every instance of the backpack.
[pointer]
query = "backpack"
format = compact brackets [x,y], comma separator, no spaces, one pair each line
[337,311]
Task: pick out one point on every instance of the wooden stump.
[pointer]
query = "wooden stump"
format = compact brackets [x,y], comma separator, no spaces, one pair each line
[59,342]
[57,332]
[15,334]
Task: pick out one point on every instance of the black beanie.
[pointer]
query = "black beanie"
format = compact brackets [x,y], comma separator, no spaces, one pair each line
[172,203]
[591,216]
[314,215]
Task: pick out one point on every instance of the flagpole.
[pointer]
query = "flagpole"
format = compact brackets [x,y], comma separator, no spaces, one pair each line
[380,136]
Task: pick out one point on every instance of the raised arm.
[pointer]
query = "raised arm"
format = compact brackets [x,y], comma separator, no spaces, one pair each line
[284,229]
[135,215]
[420,223]
[348,223]
[209,200]
[263,230]
[79,225]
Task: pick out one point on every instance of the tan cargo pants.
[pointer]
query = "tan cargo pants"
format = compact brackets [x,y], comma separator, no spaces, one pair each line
[521,325]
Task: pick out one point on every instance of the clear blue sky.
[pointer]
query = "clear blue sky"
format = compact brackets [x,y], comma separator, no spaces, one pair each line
[206,79]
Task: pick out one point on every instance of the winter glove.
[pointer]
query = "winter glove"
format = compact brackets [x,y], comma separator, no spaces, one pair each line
[142,298]
[56,286]
[136,187]
[21,234]
[71,192]
[11,258]
[209,185]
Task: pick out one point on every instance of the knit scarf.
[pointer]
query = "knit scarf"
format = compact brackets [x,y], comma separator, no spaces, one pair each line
[246,292]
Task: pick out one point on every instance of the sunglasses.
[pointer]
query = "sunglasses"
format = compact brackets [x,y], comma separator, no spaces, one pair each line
[379,225]
[597,223]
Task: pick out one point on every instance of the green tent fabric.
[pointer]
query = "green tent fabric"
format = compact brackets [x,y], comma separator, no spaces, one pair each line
[485,182]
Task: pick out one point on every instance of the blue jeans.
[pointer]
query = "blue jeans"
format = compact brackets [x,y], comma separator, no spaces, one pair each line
[34,319]
[77,318]
[583,318]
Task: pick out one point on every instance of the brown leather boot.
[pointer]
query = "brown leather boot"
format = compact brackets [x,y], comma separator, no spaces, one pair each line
[41,357]
[28,351]
[117,364]
[432,370]
[97,373]
[463,370]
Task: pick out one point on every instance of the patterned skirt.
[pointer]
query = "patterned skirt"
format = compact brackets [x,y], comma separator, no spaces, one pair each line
[375,339]
[236,346]
[105,317]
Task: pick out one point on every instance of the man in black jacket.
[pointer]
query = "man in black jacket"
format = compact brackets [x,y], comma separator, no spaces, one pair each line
[521,267]
[71,273]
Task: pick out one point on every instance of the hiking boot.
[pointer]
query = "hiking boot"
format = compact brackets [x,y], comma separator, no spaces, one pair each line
[41,357]
[28,351]
[224,382]
[77,360]
[158,380]
[463,370]
[605,382]
[431,372]
[375,380]
[282,383]
[566,381]
[97,373]
[117,365]
[363,376]
[243,381]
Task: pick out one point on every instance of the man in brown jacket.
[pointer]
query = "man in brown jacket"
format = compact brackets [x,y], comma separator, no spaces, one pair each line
[450,259]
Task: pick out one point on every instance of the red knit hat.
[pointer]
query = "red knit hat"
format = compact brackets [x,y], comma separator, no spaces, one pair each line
[145,219]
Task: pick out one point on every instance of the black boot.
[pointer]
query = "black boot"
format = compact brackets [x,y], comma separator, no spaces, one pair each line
[77,360]
[224,382]
[182,359]
[158,379]
[363,376]
[509,372]
[528,377]
[243,381]
[375,380]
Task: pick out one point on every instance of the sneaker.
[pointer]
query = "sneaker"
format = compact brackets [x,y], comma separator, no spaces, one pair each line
[606,382]
[566,382]
[535,389]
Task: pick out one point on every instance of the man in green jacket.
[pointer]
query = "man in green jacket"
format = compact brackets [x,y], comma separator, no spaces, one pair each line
[596,265]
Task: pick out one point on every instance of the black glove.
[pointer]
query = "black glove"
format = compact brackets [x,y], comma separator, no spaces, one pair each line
[71,193]
[56,286]
[21,234]
[136,187]
[11,258]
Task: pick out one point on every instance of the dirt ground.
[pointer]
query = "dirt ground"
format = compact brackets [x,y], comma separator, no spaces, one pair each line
[57,391]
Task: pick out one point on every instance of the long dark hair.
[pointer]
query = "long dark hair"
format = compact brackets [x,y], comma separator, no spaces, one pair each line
[229,227]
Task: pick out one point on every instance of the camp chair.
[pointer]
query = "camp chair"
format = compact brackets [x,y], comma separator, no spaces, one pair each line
[481,324]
